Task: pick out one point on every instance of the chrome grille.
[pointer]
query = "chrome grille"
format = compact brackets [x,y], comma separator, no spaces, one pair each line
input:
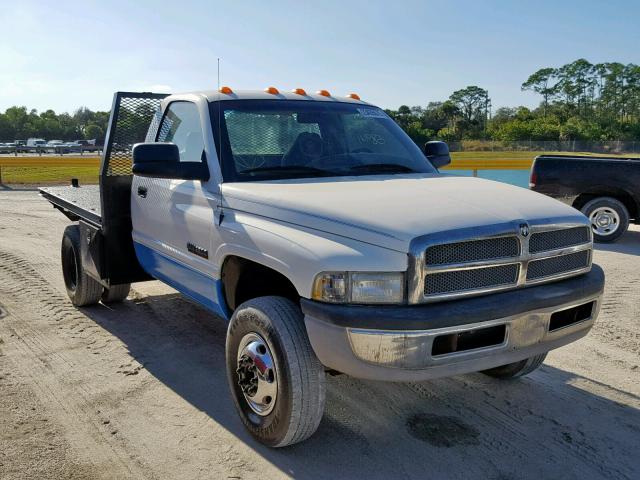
[473,251]
[473,279]
[494,258]
[549,267]
[555,239]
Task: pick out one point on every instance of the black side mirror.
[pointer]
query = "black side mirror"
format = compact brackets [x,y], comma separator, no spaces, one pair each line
[162,160]
[437,153]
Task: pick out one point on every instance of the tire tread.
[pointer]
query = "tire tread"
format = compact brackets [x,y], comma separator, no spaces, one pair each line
[116,293]
[517,369]
[616,205]
[307,373]
[88,291]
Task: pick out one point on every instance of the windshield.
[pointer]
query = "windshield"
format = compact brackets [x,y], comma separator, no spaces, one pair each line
[278,139]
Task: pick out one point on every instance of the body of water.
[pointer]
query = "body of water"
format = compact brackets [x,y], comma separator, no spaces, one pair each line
[519,178]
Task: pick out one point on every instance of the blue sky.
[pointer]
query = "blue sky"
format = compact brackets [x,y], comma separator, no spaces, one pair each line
[62,55]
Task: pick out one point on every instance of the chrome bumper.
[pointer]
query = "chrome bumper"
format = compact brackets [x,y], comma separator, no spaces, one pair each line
[398,355]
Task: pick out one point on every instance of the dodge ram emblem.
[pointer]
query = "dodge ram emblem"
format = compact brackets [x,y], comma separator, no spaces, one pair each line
[524,229]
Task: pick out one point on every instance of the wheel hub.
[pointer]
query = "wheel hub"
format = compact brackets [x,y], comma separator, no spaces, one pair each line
[604,221]
[256,375]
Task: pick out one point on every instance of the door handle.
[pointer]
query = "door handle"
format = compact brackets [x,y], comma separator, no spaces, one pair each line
[142,192]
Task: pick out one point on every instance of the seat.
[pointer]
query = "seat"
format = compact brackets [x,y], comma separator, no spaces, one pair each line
[306,148]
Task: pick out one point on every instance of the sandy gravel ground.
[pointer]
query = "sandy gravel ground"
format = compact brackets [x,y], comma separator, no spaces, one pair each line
[138,390]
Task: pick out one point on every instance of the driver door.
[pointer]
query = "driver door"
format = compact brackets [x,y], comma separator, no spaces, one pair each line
[173,218]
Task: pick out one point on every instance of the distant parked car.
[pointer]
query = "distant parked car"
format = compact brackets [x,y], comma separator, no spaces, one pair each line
[76,146]
[7,147]
[68,147]
[88,145]
[52,145]
[35,144]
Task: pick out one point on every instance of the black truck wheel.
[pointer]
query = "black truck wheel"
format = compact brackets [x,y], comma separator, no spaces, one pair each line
[277,382]
[81,288]
[115,293]
[516,369]
[609,218]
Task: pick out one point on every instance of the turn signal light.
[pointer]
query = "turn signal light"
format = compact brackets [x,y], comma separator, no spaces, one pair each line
[299,91]
[272,90]
[355,96]
[324,93]
[225,90]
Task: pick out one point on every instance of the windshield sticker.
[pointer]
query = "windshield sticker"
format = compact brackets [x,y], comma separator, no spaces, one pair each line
[371,138]
[372,112]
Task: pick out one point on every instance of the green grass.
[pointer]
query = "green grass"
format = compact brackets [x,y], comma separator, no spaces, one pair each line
[48,175]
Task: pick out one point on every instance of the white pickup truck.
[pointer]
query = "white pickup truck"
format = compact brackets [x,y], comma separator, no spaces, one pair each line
[329,241]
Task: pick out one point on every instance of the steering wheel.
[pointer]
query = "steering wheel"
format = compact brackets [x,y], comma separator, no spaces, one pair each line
[307,149]
[338,161]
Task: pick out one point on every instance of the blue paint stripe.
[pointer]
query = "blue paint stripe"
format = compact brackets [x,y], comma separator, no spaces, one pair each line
[199,287]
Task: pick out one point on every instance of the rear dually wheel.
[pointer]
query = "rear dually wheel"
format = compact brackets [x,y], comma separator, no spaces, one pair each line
[81,288]
[115,293]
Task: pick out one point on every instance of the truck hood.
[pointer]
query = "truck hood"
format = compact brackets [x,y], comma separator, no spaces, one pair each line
[390,211]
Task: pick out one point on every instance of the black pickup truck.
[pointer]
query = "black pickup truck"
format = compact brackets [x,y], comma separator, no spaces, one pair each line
[605,189]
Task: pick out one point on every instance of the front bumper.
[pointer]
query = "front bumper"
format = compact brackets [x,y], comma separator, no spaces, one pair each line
[419,342]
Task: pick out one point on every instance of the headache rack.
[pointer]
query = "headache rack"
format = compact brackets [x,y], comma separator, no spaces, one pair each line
[104,211]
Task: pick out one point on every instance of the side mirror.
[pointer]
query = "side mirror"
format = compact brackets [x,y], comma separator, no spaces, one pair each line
[162,160]
[437,153]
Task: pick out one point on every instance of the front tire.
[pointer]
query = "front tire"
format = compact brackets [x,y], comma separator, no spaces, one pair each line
[277,382]
[516,369]
[609,218]
[81,288]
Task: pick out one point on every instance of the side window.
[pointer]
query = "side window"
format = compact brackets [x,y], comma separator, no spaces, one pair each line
[181,125]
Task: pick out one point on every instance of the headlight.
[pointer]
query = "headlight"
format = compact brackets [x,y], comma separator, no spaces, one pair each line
[359,287]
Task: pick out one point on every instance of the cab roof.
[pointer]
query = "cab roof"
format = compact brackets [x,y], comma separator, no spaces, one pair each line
[215,95]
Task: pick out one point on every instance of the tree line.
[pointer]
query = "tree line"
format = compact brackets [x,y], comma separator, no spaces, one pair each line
[18,123]
[578,101]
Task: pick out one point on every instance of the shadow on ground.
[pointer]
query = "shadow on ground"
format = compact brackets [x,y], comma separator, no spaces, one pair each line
[546,425]
[628,244]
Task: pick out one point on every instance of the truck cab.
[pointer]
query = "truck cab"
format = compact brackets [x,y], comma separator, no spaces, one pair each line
[330,242]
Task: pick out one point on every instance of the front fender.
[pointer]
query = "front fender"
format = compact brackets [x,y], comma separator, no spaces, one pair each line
[300,253]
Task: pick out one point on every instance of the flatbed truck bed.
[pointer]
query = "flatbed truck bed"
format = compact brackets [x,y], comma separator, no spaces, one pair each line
[81,202]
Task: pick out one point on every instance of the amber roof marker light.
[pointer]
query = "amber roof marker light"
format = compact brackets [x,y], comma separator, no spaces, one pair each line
[299,91]
[225,90]
[355,96]
[272,90]
[324,93]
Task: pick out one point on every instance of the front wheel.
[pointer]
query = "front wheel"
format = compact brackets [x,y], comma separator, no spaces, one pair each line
[516,369]
[277,382]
